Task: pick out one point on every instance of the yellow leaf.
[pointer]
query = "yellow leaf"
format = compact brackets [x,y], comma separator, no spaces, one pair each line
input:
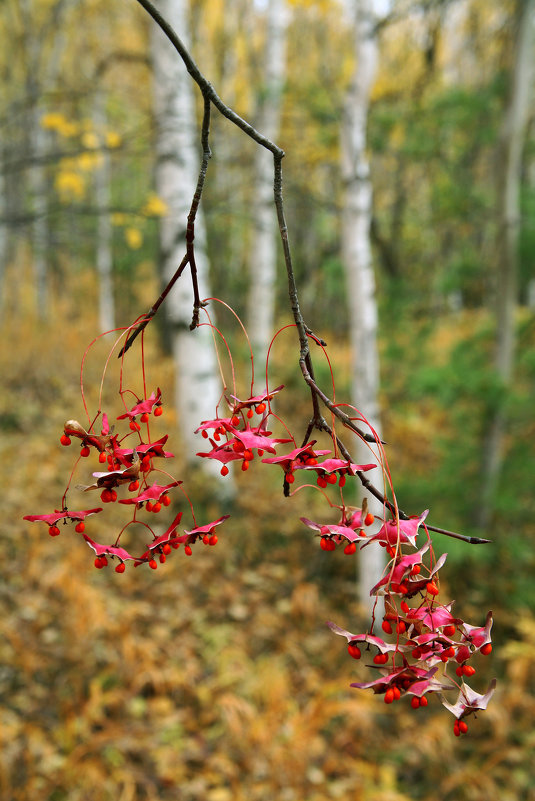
[52,120]
[133,237]
[155,206]
[113,139]
[70,185]
[90,140]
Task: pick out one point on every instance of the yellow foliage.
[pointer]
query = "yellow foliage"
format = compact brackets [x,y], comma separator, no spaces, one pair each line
[53,120]
[70,185]
[113,139]
[89,161]
[133,238]
[155,206]
[118,218]
[90,140]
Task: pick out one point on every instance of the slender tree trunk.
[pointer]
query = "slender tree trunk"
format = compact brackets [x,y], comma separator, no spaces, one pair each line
[178,154]
[104,246]
[263,256]
[509,163]
[357,256]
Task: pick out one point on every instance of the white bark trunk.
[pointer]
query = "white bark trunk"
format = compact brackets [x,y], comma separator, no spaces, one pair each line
[104,246]
[263,256]
[178,154]
[357,256]
[508,227]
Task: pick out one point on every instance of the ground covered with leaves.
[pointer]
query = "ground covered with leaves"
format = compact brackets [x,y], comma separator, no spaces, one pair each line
[214,677]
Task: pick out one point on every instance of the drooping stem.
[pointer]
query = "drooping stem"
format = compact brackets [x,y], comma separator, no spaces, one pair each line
[317,421]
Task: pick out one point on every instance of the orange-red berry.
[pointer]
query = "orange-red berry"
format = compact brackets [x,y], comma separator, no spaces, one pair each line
[157,506]
[415,702]
[261,408]
[245,465]
[468,670]
[121,567]
[65,440]
[187,550]
[153,564]
[354,650]
[432,588]
[368,520]
[166,548]
[463,727]
[423,701]
[85,451]
[350,548]
[144,417]
[224,470]
[386,627]
[321,482]
[80,527]
[133,486]
[102,457]
[249,413]
[449,630]
[166,500]
[389,696]
[234,420]
[162,558]
[213,540]
[486,649]
[134,426]
[158,411]
[53,531]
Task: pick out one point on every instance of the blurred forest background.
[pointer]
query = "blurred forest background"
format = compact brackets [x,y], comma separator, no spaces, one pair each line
[221,681]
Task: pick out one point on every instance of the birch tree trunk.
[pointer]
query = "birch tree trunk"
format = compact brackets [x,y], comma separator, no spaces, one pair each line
[509,164]
[357,257]
[263,256]
[178,155]
[104,246]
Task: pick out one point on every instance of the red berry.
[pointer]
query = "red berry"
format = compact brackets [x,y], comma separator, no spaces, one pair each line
[121,567]
[321,482]
[113,495]
[238,446]
[342,481]
[85,451]
[98,563]
[350,548]
[206,539]
[80,527]
[187,550]
[386,627]
[463,727]
[432,588]
[245,465]
[133,486]
[162,558]
[65,440]
[401,627]
[486,649]
[103,561]
[332,478]
[106,496]
[249,413]
[204,433]
[148,506]
[468,670]
[157,506]
[415,569]
[311,461]
[449,630]
[166,500]
[153,564]
[415,702]
[234,421]
[166,548]
[224,470]
[289,478]
[368,520]
[53,531]
[389,696]
[354,650]
[134,426]
[213,539]
[397,693]
[158,411]
[144,417]
[405,607]
[423,701]
[102,457]
[145,464]
[261,408]
[456,730]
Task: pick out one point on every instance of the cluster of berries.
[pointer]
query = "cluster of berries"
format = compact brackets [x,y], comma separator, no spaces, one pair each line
[132,467]
[425,637]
